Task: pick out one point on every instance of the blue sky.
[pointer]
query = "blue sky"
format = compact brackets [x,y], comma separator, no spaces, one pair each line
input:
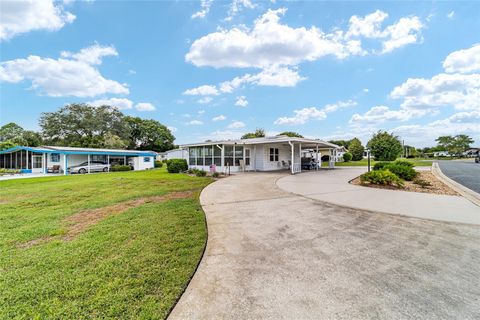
[218,69]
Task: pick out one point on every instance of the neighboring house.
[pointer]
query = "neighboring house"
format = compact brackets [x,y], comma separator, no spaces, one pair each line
[172,154]
[441,154]
[339,153]
[41,159]
[472,152]
[257,154]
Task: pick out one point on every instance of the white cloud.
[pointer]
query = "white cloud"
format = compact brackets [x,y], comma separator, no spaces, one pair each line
[463,61]
[451,14]
[65,76]
[195,123]
[219,118]
[237,6]
[380,114]
[205,90]
[306,114]
[270,43]
[236,125]
[223,135]
[366,90]
[205,8]
[172,129]
[205,100]
[23,16]
[241,101]
[144,106]
[460,91]
[120,103]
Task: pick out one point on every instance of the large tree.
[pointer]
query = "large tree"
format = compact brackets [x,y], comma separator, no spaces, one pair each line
[291,134]
[149,135]
[259,133]
[455,145]
[341,143]
[12,134]
[81,125]
[356,149]
[385,146]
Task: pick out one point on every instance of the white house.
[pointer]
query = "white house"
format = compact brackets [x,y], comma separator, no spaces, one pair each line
[339,153]
[41,159]
[172,154]
[259,154]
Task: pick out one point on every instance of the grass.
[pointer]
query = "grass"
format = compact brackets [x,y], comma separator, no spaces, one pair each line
[364,162]
[134,264]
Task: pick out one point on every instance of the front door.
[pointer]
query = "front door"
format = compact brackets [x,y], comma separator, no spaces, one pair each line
[37,164]
[247,159]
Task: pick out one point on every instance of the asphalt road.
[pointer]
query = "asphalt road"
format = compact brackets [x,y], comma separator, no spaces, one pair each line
[463,172]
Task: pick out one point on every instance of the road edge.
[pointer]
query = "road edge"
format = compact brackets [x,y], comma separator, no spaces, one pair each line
[467,193]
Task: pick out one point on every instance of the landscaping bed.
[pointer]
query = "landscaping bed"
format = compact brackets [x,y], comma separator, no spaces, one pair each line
[436,186]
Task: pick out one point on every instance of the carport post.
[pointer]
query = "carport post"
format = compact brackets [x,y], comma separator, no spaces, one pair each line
[88,159]
[316,157]
[124,160]
[65,164]
[292,153]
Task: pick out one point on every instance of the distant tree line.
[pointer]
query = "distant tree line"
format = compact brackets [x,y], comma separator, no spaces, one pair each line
[81,125]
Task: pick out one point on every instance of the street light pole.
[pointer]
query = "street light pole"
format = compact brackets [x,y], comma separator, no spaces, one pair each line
[368,157]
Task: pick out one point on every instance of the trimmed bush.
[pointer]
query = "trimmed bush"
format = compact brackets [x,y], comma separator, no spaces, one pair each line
[158,164]
[380,165]
[404,163]
[381,177]
[216,174]
[402,171]
[201,173]
[177,165]
[119,167]
[347,156]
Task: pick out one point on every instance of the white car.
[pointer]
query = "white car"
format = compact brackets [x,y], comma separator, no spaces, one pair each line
[95,166]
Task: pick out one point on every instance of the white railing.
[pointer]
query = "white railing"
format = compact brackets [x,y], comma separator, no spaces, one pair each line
[297,167]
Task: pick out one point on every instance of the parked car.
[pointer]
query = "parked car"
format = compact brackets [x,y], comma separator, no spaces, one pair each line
[95,166]
[477,158]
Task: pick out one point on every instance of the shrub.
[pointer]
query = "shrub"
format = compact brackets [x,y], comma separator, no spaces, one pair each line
[119,167]
[347,156]
[380,165]
[404,163]
[216,174]
[384,146]
[177,165]
[158,164]
[381,177]
[356,149]
[402,171]
[422,183]
[201,173]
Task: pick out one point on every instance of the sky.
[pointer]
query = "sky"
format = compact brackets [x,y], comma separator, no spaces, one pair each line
[217,69]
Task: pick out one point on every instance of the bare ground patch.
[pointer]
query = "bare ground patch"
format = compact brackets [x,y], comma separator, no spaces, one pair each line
[81,221]
[436,186]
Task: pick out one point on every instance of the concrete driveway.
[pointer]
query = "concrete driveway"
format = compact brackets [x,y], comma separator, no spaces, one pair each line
[275,255]
[467,173]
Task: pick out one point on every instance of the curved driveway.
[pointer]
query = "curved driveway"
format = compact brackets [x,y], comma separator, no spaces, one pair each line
[275,255]
[466,173]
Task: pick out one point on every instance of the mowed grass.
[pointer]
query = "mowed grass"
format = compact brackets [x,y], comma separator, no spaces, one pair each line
[364,163]
[133,264]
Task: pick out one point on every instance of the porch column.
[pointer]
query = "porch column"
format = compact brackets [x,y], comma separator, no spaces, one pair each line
[125,160]
[244,165]
[88,160]
[223,155]
[254,157]
[21,160]
[65,164]
[293,151]
[316,157]
[44,162]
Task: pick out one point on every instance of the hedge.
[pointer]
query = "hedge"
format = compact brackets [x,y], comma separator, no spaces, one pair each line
[119,167]
[381,177]
[177,165]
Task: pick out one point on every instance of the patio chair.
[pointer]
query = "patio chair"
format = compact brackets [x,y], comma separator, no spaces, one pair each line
[54,169]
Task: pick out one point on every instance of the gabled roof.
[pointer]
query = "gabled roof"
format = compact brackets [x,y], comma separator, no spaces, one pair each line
[74,150]
[266,140]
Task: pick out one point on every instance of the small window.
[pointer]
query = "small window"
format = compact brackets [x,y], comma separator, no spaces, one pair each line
[55,157]
[146,159]
[273,154]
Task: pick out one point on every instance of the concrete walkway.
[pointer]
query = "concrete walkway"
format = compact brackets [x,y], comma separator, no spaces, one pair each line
[276,255]
[332,186]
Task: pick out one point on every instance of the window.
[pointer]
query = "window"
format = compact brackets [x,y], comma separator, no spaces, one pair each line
[228,156]
[238,154]
[146,159]
[273,154]
[192,154]
[217,156]
[99,158]
[55,157]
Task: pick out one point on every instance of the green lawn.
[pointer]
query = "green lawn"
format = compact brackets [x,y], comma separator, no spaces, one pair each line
[364,163]
[133,264]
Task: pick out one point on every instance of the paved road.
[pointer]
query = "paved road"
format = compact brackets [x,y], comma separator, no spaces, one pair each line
[463,172]
[276,255]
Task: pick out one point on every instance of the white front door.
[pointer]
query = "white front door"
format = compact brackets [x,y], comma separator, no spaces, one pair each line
[37,164]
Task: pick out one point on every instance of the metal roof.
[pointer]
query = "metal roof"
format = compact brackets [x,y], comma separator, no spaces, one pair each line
[74,150]
[266,140]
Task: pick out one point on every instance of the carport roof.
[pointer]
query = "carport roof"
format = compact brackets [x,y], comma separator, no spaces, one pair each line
[74,150]
[265,140]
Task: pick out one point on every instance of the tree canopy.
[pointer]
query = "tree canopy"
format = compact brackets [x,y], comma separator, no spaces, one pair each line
[149,135]
[12,135]
[259,133]
[355,147]
[384,146]
[341,143]
[455,145]
[291,134]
